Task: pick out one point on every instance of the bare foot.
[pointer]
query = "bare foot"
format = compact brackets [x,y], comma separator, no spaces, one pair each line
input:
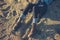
[32,29]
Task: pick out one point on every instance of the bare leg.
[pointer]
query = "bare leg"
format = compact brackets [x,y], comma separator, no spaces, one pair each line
[22,17]
[33,28]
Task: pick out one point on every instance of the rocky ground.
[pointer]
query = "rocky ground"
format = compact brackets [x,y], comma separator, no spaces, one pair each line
[48,28]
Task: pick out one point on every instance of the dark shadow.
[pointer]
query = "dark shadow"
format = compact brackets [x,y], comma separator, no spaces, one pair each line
[53,11]
[2,4]
[14,13]
[53,14]
[5,11]
[24,27]
[2,0]
[3,37]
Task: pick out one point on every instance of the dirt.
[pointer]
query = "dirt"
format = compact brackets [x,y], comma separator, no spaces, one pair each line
[47,29]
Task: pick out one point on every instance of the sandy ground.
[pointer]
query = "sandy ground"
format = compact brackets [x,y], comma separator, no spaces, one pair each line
[48,27]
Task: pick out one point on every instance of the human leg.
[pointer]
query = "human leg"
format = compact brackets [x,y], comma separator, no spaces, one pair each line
[22,16]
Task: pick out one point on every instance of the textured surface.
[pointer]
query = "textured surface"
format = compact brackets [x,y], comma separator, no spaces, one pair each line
[10,11]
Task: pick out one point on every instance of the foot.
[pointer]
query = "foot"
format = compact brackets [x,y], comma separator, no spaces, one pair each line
[33,30]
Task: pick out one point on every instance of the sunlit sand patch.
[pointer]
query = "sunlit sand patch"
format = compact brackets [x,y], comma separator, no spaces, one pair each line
[48,21]
[42,20]
[57,37]
[28,17]
[51,22]
[25,3]
[9,1]
[13,37]
[49,38]
[33,1]
[1,13]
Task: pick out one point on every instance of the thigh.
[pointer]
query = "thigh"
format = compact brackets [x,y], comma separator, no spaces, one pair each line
[36,12]
[42,11]
[29,6]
